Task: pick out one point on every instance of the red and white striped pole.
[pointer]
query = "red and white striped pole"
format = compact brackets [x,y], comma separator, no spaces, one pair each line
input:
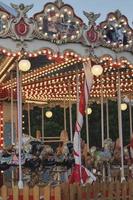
[79,123]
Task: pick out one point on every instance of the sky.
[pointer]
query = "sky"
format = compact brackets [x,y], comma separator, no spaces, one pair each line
[97,6]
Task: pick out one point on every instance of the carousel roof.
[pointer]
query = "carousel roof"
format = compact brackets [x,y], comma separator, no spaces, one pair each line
[57,43]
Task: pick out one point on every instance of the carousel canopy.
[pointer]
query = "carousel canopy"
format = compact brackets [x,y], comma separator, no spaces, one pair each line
[57,43]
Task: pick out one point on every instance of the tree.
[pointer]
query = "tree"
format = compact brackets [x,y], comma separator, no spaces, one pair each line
[54,125]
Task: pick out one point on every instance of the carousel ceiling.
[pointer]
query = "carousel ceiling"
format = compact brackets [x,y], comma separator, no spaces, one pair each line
[56,80]
[57,43]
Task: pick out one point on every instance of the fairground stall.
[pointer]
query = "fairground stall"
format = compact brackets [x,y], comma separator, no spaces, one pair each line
[42,61]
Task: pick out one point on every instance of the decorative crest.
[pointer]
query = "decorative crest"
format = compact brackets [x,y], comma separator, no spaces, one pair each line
[92,17]
[22,26]
[118,14]
[59,3]
[21,9]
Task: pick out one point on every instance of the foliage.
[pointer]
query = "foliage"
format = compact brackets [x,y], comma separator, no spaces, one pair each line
[54,125]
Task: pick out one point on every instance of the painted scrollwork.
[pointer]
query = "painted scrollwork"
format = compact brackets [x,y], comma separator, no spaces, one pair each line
[4,23]
[92,17]
[91,34]
[22,26]
[59,25]
[115,31]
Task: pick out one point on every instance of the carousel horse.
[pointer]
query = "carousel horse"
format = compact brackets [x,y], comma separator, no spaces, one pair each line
[26,146]
[31,148]
[33,160]
[106,154]
[33,163]
[103,155]
[5,159]
[62,157]
[100,158]
[36,147]
[57,163]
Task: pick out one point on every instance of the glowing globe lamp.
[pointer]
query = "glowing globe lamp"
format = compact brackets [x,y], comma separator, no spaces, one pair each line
[24,65]
[97,70]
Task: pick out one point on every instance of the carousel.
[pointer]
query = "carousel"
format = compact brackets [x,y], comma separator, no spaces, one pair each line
[42,62]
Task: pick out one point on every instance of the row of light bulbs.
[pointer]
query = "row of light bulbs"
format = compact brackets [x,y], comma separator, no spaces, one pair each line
[47,70]
[67,56]
[96,70]
[55,91]
[58,92]
[100,72]
[34,75]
